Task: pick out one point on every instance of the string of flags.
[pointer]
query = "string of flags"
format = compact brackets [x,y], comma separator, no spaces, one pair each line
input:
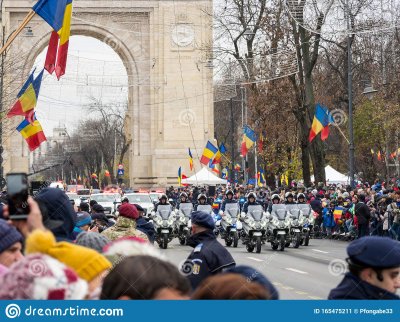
[58,14]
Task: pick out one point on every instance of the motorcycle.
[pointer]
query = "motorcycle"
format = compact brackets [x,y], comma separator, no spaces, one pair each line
[278,228]
[182,223]
[205,208]
[230,226]
[296,225]
[164,220]
[254,228]
[308,224]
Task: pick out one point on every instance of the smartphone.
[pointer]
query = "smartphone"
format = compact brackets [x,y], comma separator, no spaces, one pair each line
[17,189]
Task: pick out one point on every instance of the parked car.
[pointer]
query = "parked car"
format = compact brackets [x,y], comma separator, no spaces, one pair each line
[109,201]
[142,199]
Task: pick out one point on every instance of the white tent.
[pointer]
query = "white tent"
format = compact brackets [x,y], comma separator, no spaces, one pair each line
[333,176]
[204,177]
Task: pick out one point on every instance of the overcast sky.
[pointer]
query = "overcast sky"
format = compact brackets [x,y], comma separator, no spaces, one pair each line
[93,69]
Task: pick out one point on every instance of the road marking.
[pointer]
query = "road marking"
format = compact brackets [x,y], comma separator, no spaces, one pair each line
[288,288]
[296,270]
[315,297]
[301,293]
[256,259]
[320,251]
[276,284]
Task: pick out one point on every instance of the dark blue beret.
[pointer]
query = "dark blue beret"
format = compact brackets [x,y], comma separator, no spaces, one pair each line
[375,252]
[203,219]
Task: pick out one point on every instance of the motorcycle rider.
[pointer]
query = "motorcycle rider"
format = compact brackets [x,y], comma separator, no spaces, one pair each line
[201,200]
[183,198]
[275,200]
[251,201]
[262,198]
[163,201]
[209,257]
[229,199]
[301,199]
[289,198]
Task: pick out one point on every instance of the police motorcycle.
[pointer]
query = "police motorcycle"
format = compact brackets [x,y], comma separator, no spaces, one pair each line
[308,223]
[230,226]
[278,227]
[183,223]
[296,225]
[164,219]
[254,228]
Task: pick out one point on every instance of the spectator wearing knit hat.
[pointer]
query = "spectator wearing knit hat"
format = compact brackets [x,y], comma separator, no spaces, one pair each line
[82,224]
[92,240]
[41,277]
[87,263]
[126,224]
[10,244]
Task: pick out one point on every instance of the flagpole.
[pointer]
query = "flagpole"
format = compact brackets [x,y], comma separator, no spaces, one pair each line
[341,132]
[14,35]
[255,159]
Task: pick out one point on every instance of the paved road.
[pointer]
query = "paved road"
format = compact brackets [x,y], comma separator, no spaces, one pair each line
[303,273]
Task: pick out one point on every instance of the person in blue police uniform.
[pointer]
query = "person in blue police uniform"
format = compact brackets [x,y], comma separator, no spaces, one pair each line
[374,270]
[208,257]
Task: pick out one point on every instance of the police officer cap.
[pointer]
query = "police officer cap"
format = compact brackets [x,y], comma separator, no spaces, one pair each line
[375,252]
[203,219]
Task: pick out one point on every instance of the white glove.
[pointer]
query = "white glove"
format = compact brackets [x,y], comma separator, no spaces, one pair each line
[221,212]
[243,215]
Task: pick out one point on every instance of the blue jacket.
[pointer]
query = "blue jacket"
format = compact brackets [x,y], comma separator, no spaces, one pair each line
[328,219]
[353,288]
[146,227]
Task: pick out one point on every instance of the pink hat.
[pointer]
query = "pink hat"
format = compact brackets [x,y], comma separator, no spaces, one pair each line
[129,211]
[41,277]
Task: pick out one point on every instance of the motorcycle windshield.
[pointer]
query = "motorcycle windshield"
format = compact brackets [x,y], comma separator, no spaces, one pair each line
[205,208]
[256,212]
[305,210]
[232,209]
[279,211]
[186,208]
[164,211]
[295,213]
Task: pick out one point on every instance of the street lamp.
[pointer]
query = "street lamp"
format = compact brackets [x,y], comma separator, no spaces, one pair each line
[369,91]
[248,34]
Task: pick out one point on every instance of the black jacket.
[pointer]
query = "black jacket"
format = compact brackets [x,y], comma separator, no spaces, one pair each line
[353,288]
[208,258]
[363,213]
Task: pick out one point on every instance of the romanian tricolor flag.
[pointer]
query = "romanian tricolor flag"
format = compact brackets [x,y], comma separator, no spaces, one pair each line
[238,167]
[58,14]
[217,157]
[32,133]
[208,153]
[180,176]
[107,173]
[260,178]
[322,119]
[190,160]
[27,97]
[249,138]
[222,148]
[260,144]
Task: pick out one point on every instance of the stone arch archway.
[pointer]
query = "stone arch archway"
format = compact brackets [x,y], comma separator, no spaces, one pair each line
[160,137]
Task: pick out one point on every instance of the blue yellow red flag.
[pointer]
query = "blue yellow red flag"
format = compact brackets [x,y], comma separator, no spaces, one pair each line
[208,153]
[321,121]
[32,133]
[249,138]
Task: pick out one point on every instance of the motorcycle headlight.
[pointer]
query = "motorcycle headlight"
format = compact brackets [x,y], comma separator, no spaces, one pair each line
[275,222]
[295,222]
[257,225]
[171,220]
[158,220]
[182,219]
[263,223]
[228,219]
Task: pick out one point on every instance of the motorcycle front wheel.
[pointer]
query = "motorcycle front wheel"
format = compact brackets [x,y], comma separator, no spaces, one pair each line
[258,245]
[282,242]
[164,241]
[307,239]
[296,240]
[250,248]
[235,239]
[228,241]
